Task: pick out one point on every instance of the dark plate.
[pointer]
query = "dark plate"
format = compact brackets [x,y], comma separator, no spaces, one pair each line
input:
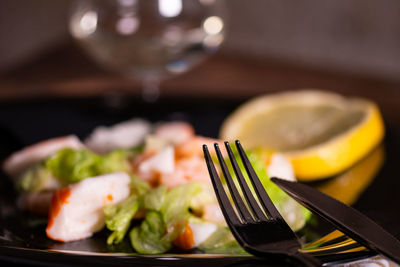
[22,237]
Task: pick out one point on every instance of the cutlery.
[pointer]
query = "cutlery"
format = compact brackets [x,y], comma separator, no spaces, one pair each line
[337,248]
[345,218]
[259,229]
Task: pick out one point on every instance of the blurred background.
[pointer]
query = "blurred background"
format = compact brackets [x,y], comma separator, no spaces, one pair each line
[357,36]
[347,46]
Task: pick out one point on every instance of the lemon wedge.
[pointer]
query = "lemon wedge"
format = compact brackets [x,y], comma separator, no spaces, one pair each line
[320,132]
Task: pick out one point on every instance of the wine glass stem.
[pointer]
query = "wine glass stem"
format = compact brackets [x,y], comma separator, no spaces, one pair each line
[150,89]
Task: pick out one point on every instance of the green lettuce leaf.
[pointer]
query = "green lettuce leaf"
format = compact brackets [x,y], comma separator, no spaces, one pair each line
[147,238]
[155,198]
[36,179]
[175,208]
[139,187]
[71,166]
[294,214]
[221,242]
[119,217]
[115,161]
[167,216]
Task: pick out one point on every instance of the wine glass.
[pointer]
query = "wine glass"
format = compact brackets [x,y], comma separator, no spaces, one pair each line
[149,40]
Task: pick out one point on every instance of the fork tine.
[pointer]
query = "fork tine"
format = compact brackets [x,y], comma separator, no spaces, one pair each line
[266,202]
[227,210]
[255,208]
[237,199]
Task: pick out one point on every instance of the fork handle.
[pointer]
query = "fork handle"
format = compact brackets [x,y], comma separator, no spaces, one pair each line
[306,260]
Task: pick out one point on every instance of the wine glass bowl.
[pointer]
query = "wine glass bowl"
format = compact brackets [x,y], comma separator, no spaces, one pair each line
[148,40]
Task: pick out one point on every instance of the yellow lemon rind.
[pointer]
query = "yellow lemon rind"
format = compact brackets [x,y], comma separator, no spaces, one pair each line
[341,152]
[325,159]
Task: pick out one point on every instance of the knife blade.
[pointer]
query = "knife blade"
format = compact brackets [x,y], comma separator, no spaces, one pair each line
[345,218]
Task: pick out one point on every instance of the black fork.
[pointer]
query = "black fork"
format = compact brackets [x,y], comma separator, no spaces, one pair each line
[259,229]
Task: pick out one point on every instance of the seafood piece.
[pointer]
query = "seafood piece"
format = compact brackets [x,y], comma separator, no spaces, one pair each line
[280,166]
[175,132]
[195,234]
[153,144]
[150,166]
[213,213]
[122,135]
[162,162]
[20,161]
[186,170]
[76,211]
[194,146]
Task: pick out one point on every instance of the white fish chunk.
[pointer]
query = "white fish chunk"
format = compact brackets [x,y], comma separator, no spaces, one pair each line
[195,234]
[76,211]
[202,231]
[281,167]
[162,162]
[22,160]
[126,134]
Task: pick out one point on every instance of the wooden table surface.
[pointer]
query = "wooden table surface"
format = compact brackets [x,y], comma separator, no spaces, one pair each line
[67,72]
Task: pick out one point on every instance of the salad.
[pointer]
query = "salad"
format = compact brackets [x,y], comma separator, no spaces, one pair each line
[143,182]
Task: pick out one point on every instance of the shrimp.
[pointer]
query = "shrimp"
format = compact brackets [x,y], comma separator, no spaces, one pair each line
[194,146]
[175,132]
[122,135]
[151,165]
[186,170]
[213,213]
[164,168]
[20,161]
[162,162]
[76,211]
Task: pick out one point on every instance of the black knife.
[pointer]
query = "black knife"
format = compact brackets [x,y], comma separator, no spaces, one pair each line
[348,220]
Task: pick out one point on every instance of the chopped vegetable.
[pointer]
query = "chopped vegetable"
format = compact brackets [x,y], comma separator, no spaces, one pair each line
[38,178]
[155,198]
[118,218]
[293,213]
[148,237]
[222,241]
[175,208]
[71,166]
